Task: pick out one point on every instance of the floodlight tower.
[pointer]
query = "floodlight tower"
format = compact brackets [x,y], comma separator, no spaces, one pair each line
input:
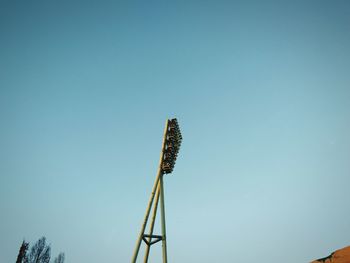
[170,147]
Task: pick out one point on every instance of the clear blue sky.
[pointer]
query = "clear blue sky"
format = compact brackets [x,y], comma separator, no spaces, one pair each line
[262,93]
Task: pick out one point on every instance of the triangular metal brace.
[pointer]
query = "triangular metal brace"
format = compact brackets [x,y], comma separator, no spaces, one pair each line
[151,242]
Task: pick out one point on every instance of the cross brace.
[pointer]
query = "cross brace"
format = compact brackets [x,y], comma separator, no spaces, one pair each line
[150,241]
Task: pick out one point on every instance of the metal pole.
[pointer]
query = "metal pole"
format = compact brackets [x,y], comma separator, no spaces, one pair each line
[159,175]
[162,209]
[152,224]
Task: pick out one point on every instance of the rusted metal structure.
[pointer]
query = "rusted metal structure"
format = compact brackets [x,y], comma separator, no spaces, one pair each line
[170,147]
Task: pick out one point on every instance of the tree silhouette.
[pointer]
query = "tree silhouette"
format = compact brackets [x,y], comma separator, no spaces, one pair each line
[60,258]
[40,252]
[21,258]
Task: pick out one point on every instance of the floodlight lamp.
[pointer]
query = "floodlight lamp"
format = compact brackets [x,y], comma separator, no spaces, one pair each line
[167,168]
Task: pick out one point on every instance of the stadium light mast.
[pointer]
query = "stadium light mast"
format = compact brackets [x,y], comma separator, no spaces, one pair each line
[170,147]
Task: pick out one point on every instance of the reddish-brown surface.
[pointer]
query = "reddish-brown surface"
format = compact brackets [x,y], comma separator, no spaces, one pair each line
[339,256]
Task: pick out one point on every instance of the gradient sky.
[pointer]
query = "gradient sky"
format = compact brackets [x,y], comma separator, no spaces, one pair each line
[262,93]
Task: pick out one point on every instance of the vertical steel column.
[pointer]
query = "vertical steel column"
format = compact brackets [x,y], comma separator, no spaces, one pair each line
[152,224]
[162,209]
[159,175]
